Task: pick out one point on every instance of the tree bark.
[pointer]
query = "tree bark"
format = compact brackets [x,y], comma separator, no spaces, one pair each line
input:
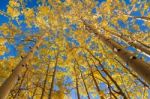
[36,86]
[133,43]
[83,79]
[115,83]
[139,66]
[77,88]
[12,79]
[134,75]
[109,76]
[45,81]
[95,82]
[53,78]
[18,91]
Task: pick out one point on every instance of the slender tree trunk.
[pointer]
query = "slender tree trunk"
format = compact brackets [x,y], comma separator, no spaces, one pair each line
[76,76]
[36,86]
[12,79]
[109,86]
[53,78]
[109,76]
[131,73]
[145,18]
[125,88]
[141,67]
[120,90]
[77,88]
[45,81]
[23,77]
[133,43]
[95,82]
[83,79]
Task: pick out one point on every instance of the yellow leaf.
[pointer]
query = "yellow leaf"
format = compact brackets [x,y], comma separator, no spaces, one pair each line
[2,41]
[104,23]
[13,12]
[14,3]
[44,10]
[4,29]
[2,49]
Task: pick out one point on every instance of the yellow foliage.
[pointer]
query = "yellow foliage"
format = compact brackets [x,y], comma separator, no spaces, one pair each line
[2,46]
[41,22]
[14,3]
[29,13]
[5,29]
[146,6]
[124,18]
[106,7]
[44,10]
[96,74]
[68,1]
[114,20]
[13,12]
[12,9]
[2,41]
[2,49]
[104,23]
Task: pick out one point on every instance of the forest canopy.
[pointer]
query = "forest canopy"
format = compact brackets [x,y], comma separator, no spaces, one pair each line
[74,49]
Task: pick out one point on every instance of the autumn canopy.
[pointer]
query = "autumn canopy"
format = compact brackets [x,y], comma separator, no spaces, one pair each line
[74,49]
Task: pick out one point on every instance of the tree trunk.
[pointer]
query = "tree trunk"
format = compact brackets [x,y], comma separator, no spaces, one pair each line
[12,79]
[36,86]
[83,79]
[134,75]
[120,91]
[133,43]
[78,94]
[53,78]
[109,76]
[45,81]
[95,82]
[23,77]
[141,67]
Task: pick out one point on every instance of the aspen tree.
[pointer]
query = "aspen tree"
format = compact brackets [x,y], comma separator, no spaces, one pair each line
[53,77]
[83,79]
[45,81]
[142,68]
[12,79]
[76,77]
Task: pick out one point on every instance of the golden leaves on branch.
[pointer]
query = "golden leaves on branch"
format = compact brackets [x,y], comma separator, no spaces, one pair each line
[2,49]
[12,29]
[13,9]
[14,3]
[2,46]
[41,22]
[4,29]
[124,18]
[29,15]
[104,23]
[12,12]
[2,41]
[106,7]
[44,10]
